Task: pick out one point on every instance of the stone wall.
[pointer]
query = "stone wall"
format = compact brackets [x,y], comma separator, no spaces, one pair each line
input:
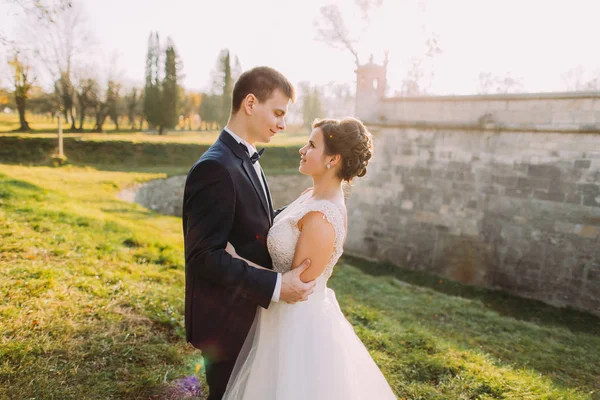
[524,112]
[518,211]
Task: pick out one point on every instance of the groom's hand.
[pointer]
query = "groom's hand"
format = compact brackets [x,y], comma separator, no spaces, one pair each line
[293,289]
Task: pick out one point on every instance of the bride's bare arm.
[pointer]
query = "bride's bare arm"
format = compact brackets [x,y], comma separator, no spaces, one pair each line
[316,242]
[231,250]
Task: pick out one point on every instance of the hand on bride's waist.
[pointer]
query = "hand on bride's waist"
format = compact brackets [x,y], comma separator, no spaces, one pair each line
[293,289]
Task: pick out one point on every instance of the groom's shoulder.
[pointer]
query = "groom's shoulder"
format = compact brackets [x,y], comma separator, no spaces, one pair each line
[217,156]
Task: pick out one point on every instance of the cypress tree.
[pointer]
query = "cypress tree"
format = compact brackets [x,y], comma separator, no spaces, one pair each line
[170,91]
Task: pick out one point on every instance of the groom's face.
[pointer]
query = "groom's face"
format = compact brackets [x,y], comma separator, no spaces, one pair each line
[268,118]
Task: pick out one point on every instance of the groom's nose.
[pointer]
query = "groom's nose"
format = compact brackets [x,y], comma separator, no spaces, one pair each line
[281,124]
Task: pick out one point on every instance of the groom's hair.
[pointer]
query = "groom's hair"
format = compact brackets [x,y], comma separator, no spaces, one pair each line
[261,82]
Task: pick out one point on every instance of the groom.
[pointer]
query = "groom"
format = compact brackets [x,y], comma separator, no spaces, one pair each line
[227,199]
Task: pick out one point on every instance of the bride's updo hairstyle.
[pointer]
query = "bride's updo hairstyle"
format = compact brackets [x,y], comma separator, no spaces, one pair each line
[351,140]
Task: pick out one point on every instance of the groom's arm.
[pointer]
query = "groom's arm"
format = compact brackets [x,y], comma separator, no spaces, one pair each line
[208,210]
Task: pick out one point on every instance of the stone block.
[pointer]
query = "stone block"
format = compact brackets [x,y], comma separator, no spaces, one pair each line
[546,171]
[573,198]
[583,164]
[518,193]
[427,217]
[549,196]
[529,184]
[407,205]
[593,276]
[507,181]
[590,193]
[465,186]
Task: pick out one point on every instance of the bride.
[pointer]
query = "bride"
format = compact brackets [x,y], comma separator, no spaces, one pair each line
[308,350]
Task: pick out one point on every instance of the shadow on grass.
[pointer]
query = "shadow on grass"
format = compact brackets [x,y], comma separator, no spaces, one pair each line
[10,188]
[505,304]
[135,214]
[426,318]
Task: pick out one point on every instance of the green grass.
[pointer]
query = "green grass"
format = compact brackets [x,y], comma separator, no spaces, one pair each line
[91,307]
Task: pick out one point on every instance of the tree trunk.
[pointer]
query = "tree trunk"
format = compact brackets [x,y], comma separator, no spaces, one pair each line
[141,124]
[100,118]
[20,100]
[73,128]
[160,130]
[81,118]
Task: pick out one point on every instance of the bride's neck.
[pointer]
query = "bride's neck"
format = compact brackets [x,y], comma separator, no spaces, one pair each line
[326,187]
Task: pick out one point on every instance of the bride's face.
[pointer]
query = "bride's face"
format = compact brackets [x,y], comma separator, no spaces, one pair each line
[312,155]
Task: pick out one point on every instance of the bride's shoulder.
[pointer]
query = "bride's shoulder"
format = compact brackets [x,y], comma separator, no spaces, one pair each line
[331,209]
[306,191]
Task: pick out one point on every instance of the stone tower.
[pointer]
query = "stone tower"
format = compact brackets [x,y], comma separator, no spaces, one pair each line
[370,88]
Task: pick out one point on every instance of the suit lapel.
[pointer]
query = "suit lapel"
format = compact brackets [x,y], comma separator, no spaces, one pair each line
[248,168]
[268,194]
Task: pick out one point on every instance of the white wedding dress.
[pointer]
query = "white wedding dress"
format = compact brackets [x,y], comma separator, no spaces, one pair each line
[307,350]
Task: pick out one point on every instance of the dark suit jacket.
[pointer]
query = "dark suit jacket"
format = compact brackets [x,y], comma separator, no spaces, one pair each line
[224,202]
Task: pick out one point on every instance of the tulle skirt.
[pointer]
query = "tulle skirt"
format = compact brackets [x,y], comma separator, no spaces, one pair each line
[305,351]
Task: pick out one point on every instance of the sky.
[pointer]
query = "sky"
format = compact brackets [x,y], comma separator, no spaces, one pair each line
[535,42]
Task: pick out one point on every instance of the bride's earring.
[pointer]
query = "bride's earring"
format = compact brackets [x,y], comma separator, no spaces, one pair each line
[328,166]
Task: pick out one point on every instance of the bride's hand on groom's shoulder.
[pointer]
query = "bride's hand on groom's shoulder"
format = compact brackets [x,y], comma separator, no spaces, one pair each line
[293,289]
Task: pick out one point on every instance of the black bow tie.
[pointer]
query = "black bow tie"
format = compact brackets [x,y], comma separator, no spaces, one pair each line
[255,157]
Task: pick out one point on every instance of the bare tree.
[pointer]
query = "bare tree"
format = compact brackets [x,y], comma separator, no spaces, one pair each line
[486,83]
[43,11]
[575,80]
[134,106]
[23,82]
[332,30]
[86,92]
[60,43]
[366,6]
[421,73]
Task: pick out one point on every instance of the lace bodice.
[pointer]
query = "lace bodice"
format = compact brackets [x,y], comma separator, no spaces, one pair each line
[284,233]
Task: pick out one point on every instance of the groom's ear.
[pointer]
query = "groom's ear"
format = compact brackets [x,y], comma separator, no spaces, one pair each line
[249,103]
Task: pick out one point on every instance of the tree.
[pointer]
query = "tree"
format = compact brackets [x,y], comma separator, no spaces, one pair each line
[190,106]
[87,96]
[42,102]
[152,87]
[38,10]
[23,82]
[227,89]
[489,83]
[311,105]
[59,43]
[134,101]
[420,76]
[575,80]
[332,30]
[65,92]
[112,102]
[170,90]
[236,69]
[216,105]
[210,108]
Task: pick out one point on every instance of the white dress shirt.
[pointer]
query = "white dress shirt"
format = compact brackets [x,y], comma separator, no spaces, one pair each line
[256,165]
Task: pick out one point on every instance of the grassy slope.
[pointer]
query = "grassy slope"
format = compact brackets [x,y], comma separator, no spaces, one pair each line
[92,303]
